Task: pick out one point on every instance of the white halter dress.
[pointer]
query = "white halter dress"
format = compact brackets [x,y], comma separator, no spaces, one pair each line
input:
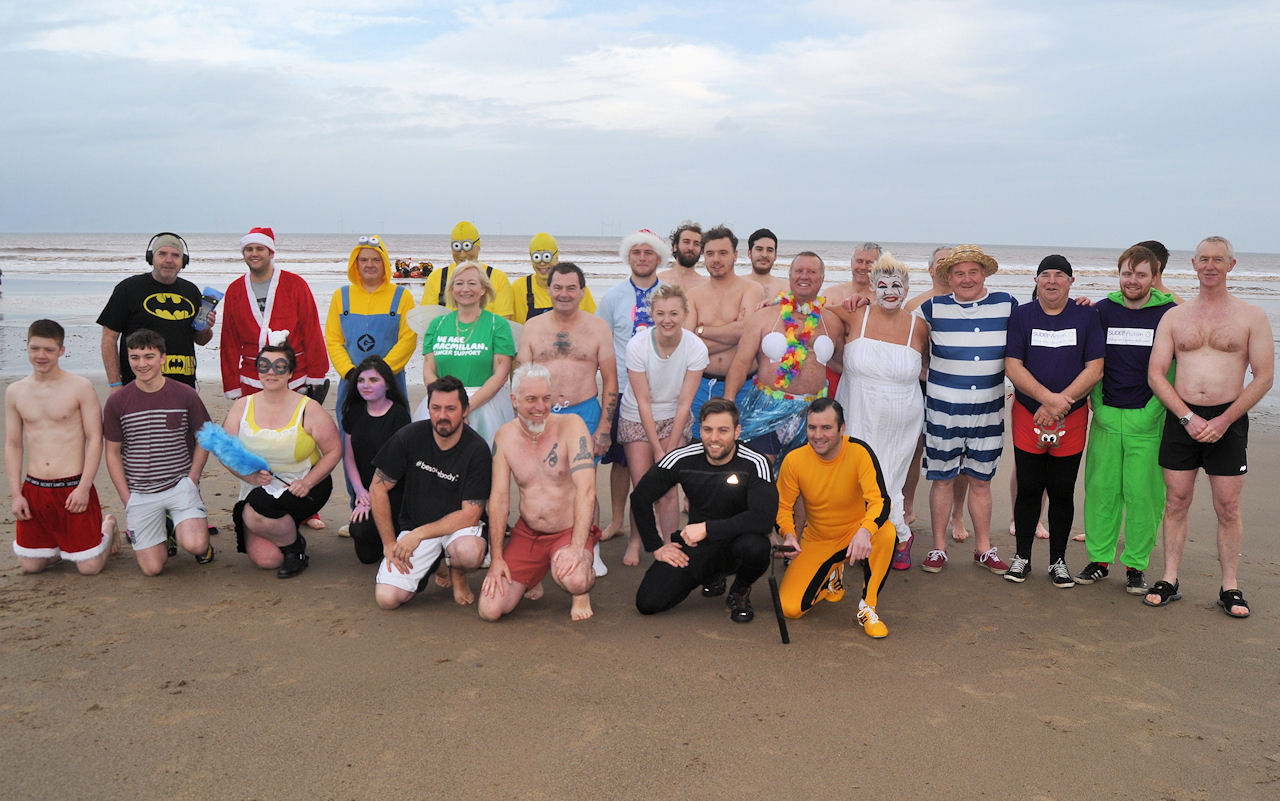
[883,407]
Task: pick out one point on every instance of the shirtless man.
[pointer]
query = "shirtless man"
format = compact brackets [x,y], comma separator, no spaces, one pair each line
[762,249]
[865,256]
[549,456]
[717,309]
[53,415]
[961,485]
[575,346]
[773,404]
[686,249]
[1214,338]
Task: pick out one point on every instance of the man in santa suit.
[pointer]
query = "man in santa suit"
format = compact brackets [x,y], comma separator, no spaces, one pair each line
[266,299]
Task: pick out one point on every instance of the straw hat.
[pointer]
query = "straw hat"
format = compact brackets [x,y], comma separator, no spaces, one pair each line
[963,253]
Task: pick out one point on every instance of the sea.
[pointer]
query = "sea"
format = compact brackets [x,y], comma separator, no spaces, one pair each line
[68,277]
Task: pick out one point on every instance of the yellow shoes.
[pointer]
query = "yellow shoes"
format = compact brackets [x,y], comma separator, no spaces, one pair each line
[834,589]
[871,623]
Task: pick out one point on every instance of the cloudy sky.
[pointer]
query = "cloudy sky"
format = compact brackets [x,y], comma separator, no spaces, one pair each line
[904,120]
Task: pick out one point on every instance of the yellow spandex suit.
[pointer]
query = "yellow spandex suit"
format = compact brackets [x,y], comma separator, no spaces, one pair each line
[840,496]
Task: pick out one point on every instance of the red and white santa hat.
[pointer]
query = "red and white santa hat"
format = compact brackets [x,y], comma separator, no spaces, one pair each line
[644,237]
[259,236]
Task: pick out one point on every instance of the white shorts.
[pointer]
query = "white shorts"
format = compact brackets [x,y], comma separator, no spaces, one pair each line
[424,558]
[146,512]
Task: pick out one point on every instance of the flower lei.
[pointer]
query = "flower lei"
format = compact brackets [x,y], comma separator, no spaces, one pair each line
[799,332]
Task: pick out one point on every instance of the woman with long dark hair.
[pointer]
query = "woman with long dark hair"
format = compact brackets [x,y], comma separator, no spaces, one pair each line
[374,407]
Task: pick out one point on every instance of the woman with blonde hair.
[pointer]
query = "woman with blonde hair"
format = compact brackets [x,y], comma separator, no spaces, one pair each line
[473,345]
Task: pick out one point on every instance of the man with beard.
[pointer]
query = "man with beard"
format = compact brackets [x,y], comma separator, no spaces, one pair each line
[717,309]
[686,249]
[762,249]
[158,301]
[626,308]
[1122,480]
[549,456]
[732,503]
[789,346]
[445,468]
[1162,254]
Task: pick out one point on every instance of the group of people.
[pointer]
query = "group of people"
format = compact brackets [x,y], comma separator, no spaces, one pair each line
[795,424]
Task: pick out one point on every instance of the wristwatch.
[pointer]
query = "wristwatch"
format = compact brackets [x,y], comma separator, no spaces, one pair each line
[699,330]
[1186,419]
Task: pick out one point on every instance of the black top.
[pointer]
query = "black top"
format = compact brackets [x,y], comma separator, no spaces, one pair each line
[435,482]
[140,301]
[733,499]
[368,435]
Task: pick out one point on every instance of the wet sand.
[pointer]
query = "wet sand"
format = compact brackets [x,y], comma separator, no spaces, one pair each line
[224,682]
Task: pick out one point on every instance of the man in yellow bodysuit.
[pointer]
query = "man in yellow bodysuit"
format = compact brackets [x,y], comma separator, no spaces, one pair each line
[464,243]
[847,518]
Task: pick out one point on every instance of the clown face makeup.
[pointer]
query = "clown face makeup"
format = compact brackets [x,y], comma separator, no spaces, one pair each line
[891,291]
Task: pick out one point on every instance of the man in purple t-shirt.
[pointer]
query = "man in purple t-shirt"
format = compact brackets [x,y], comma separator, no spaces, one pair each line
[153,458]
[1053,357]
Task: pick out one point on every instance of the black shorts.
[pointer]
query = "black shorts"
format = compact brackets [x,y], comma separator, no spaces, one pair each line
[1226,457]
[262,502]
[615,454]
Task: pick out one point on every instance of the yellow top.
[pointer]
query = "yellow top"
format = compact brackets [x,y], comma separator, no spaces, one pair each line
[287,450]
[840,496]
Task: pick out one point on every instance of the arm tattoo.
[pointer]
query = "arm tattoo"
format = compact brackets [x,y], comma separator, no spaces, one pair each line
[584,451]
[481,503]
[553,458]
[610,404]
[382,478]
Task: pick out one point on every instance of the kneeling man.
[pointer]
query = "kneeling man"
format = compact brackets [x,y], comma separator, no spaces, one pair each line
[732,503]
[551,459]
[445,467]
[847,517]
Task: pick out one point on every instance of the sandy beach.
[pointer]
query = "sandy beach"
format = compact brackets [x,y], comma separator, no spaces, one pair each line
[224,682]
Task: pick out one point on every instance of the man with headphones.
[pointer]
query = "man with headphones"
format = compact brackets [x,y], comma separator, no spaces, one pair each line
[161,301]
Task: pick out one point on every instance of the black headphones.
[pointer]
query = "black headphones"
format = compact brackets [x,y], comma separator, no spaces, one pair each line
[151,255]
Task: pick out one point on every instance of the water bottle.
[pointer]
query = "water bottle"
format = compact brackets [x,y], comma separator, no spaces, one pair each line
[207,304]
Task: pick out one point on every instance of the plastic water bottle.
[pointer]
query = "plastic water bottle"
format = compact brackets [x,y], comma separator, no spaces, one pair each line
[208,303]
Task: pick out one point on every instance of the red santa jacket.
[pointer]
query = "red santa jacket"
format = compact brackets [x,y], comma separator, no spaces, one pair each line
[290,307]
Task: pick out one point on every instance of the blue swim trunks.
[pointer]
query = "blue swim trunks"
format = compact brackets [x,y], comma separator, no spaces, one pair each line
[588,410]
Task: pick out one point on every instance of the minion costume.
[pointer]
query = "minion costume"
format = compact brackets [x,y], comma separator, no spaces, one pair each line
[530,293]
[363,323]
[464,241]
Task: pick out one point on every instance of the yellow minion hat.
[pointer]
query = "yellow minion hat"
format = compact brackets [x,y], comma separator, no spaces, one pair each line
[544,252]
[373,242]
[464,231]
[543,241]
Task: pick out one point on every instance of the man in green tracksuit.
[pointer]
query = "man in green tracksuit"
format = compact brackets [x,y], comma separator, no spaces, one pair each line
[1122,479]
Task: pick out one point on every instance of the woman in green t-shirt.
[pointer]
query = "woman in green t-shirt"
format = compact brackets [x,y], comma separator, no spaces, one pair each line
[473,345]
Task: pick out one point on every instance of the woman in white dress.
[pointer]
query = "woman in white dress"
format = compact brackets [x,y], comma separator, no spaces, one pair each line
[880,390]
[664,364]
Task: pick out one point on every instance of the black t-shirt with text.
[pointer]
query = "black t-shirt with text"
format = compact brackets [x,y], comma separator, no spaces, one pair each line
[435,482]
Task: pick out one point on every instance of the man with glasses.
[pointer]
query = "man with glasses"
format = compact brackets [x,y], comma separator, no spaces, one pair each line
[464,245]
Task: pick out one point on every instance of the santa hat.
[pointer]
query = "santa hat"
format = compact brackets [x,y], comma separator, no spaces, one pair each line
[644,237]
[259,236]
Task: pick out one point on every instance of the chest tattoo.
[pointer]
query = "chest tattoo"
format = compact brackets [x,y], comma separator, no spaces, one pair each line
[562,345]
[553,458]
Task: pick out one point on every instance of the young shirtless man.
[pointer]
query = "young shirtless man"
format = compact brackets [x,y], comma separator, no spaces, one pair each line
[549,456]
[52,416]
[762,249]
[1214,338]
[686,249]
[717,309]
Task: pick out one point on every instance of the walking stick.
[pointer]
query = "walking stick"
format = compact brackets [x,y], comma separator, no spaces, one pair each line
[773,593]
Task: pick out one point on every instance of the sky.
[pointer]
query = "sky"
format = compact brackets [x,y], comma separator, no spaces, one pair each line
[1076,124]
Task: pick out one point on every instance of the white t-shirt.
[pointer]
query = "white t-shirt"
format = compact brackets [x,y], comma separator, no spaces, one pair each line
[666,376]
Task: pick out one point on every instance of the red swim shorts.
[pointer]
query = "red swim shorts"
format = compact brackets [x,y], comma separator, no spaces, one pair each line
[528,552]
[52,530]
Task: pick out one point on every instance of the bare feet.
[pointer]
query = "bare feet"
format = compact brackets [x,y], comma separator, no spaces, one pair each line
[908,516]
[462,593]
[612,530]
[581,607]
[314,522]
[444,577]
[958,532]
[112,529]
[534,592]
[632,557]
[1078,538]
[1042,533]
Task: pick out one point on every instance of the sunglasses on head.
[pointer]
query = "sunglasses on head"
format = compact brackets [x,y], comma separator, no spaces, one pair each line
[279,366]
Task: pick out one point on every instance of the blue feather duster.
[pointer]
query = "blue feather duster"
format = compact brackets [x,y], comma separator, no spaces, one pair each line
[229,450]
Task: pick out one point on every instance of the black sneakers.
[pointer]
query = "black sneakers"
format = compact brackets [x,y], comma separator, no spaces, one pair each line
[1094,571]
[1060,575]
[713,588]
[739,604]
[295,558]
[1134,582]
